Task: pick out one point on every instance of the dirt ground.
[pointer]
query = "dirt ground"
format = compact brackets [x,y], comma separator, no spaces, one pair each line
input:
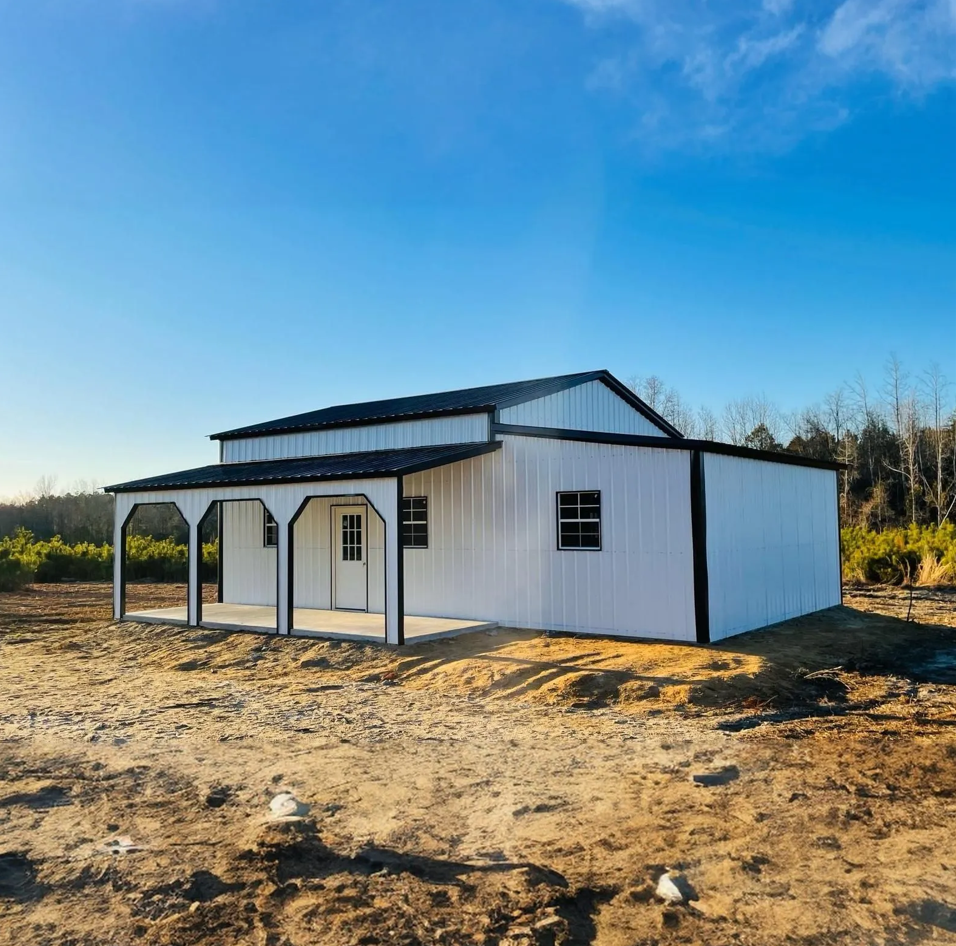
[502,788]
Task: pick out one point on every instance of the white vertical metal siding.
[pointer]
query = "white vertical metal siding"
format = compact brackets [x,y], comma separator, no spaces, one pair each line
[493,552]
[467,428]
[249,568]
[590,406]
[773,545]
[311,561]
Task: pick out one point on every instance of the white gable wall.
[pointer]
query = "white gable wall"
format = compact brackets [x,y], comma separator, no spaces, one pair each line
[465,428]
[590,406]
[773,547]
[493,552]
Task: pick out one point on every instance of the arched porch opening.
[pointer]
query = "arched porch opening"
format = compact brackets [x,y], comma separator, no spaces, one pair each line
[337,568]
[153,557]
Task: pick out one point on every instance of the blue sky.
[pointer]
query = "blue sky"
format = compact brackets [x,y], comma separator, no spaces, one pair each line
[213,212]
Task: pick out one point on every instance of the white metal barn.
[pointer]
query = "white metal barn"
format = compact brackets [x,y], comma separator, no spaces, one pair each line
[563,503]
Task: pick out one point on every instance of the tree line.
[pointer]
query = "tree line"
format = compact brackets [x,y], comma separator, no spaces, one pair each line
[898,442]
[82,514]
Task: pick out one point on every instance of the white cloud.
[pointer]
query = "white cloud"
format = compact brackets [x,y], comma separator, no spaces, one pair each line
[912,43]
[764,73]
[851,23]
[753,53]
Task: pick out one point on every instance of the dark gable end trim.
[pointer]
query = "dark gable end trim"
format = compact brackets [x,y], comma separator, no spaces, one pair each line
[626,394]
[609,381]
[665,443]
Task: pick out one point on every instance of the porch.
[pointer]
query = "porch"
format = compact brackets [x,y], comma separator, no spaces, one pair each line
[312,622]
[313,546]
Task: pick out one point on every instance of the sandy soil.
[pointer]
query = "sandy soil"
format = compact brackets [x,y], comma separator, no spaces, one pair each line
[502,788]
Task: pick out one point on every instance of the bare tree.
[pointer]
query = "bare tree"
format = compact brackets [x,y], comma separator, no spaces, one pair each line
[905,412]
[706,424]
[743,416]
[45,487]
[651,390]
[838,418]
[667,401]
[935,385]
[734,423]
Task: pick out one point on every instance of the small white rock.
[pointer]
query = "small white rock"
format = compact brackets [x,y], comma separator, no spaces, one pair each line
[286,805]
[667,890]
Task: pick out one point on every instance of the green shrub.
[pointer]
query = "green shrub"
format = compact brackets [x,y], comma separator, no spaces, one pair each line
[23,559]
[899,555]
[915,553]
[13,573]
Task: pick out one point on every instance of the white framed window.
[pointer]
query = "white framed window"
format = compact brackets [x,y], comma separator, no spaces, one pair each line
[579,520]
[415,522]
[270,532]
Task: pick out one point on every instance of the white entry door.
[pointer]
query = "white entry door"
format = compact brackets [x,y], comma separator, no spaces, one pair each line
[349,558]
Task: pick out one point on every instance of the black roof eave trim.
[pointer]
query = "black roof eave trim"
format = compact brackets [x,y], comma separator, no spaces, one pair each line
[255,430]
[467,452]
[151,487]
[665,443]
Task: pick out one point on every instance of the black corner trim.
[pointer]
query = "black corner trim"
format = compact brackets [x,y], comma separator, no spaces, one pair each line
[220,574]
[400,589]
[665,443]
[839,527]
[213,506]
[698,528]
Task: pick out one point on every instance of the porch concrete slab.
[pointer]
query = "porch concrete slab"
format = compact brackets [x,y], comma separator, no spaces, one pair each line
[312,622]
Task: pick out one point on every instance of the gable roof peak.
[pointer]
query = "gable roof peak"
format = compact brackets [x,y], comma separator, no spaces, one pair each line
[485,398]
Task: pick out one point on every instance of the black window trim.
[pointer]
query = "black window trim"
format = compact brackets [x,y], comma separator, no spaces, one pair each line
[269,520]
[557,522]
[405,545]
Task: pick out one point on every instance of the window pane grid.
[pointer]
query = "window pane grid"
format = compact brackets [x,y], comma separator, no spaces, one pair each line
[415,522]
[270,532]
[579,520]
[351,537]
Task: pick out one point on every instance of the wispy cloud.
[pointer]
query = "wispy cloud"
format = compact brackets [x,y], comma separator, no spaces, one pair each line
[765,73]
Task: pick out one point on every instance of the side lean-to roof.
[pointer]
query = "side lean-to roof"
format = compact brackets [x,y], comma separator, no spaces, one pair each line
[486,399]
[339,466]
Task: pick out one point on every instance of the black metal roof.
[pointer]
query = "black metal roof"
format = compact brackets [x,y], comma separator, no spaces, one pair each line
[311,469]
[466,401]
